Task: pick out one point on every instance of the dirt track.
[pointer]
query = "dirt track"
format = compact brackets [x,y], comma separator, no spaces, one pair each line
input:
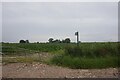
[37,70]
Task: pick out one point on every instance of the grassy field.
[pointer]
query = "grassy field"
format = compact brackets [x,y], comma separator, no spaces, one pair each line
[86,55]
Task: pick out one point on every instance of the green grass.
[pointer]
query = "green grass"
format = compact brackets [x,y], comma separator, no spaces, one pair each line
[41,47]
[87,55]
[19,60]
[93,50]
[84,62]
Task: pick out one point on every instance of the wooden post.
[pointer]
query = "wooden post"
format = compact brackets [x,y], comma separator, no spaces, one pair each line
[77,34]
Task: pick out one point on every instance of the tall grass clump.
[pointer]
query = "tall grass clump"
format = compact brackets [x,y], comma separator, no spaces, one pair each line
[89,55]
[73,51]
[93,50]
[84,62]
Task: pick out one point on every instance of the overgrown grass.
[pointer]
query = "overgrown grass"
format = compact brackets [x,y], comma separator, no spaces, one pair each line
[93,50]
[98,55]
[0,47]
[86,55]
[85,62]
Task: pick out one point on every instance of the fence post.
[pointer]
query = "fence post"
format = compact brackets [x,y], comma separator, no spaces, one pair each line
[77,34]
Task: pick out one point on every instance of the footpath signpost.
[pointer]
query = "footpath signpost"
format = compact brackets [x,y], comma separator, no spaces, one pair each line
[77,34]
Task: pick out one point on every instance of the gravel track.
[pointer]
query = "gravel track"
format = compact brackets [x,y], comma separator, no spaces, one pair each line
[38,70]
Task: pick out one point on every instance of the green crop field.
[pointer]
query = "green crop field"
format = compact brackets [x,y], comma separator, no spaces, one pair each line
[86,55]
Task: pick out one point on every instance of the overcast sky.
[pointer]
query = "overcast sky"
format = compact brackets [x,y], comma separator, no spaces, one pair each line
[39,21]
[0,22]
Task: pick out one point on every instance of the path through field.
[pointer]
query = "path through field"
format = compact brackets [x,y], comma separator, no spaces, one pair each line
[38,70]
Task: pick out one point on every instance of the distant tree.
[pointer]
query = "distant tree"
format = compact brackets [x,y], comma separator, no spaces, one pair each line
[50,40]
[37,42]
[27,41]
[22,41]
[63,41]
[67,40]
[59,41]
[2,42]
[56,41]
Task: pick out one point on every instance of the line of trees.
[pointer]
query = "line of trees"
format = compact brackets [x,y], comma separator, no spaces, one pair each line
[51,40]
[67,40]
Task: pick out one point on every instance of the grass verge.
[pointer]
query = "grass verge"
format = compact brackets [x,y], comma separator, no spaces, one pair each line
[85,62]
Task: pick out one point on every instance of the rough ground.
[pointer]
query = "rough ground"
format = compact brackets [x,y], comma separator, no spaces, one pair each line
[38,70]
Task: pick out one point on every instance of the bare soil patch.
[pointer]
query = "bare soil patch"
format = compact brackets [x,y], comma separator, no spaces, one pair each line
[39,70]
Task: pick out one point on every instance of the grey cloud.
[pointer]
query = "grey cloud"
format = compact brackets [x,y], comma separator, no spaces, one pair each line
[39,21]
[0,22]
